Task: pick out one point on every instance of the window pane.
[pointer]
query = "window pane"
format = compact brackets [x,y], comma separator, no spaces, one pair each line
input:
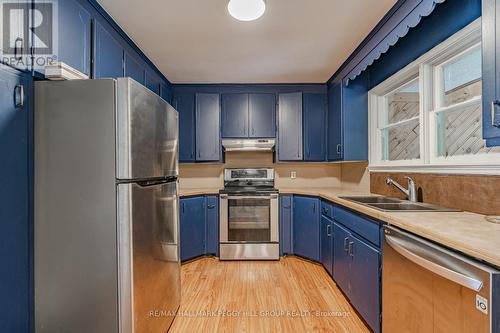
[403,103]
[460,132]
[401,142]
[461,78]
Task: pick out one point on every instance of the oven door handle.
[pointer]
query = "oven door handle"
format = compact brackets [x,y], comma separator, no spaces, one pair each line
[243,197]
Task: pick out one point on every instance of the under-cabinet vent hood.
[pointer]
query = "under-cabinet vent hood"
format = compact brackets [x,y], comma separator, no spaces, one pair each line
[248,144]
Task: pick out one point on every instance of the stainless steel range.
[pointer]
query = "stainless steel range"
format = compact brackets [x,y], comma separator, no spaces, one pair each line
[249,215]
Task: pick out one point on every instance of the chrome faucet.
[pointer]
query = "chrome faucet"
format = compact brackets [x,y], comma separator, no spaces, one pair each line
[411,192]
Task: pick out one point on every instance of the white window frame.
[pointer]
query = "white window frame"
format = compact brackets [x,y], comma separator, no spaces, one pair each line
[425,69]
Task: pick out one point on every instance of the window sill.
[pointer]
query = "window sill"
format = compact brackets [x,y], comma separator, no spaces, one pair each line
[493,169]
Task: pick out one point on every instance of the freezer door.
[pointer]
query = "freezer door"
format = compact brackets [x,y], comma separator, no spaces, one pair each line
[147,133]
[148,256]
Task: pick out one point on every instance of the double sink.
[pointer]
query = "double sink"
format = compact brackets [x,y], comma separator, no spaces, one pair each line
[386,204]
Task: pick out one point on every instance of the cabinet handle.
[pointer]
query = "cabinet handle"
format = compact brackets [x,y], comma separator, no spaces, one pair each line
[351,247]
[210,206]
[339,149]
[329,230]
[346,243]
[494,122]
[19,96]
[18,48]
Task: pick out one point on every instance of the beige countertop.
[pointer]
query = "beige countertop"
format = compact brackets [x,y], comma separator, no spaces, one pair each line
[198,191]
[463,231]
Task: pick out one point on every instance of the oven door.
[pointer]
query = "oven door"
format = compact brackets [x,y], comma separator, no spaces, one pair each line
[249,219]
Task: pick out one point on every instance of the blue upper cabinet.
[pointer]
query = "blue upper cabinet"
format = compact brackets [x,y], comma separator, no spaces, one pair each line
[15,194]
[334,136]
[262,115]
[234,115]
[16,15]
[491,72]
[315,108]
[108,52]
[74,31]
[184,103]
[192,227]
[153,81]
[306,221]
[208,147]
[166,91]
[134,66]
[355,119]
[290,127]
[212,225]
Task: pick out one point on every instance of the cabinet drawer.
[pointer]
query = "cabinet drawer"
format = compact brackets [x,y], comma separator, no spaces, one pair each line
[363,226]
[326,209]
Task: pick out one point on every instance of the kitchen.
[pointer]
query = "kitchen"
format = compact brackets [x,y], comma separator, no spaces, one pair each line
[250,165]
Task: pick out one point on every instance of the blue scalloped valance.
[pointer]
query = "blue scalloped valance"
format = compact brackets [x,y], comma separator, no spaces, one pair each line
[408,16]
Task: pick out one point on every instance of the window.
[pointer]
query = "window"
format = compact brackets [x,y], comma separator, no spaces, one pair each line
[428,116]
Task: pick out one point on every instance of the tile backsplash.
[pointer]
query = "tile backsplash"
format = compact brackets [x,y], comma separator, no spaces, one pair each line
[473,193]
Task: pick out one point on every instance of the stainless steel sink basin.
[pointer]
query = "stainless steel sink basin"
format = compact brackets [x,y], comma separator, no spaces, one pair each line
[372,199]
[396,205]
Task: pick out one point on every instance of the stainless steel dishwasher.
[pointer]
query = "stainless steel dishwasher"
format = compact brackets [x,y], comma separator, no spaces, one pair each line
[428,288]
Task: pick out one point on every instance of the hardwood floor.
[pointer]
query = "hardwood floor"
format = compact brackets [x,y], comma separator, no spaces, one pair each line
[290,295]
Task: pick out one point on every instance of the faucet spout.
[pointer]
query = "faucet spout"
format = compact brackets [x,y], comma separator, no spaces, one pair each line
[411,192]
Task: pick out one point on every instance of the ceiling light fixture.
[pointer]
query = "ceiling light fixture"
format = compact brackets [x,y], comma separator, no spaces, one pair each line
[246,10]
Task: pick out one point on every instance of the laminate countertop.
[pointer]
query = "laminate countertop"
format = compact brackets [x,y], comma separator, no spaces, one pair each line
[465,232]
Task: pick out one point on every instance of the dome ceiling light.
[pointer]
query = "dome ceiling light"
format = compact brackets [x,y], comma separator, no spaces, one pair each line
[246,10]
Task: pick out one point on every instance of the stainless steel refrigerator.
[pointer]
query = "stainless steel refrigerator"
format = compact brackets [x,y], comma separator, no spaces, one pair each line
[106,208]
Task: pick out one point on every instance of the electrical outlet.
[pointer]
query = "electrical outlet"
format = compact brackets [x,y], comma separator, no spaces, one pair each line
[293,174]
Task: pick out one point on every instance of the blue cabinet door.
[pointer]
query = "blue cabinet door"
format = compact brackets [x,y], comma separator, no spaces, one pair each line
[166,91]
[192,225]
[134,66]
[314,127]
[152,81]
[290,127]
[341,258]
[212,237]
[234,115]
[74,31]
[355,119]
[108,51]
[286,224]
[208,146]
[16,35]
[262,115]
[335,122]
[365,281]
[184,103]
[326,244]
[491,72]
[15,198]
[306,220]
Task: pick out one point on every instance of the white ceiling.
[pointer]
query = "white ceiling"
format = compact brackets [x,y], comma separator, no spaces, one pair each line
[197,41]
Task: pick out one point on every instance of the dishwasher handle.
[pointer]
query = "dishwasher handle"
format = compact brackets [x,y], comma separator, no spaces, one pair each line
[433,260]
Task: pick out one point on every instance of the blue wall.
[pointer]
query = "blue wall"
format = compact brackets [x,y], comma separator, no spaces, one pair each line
[448,18]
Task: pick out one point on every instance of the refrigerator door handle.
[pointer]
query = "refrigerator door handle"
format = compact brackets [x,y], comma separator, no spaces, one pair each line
[432,260]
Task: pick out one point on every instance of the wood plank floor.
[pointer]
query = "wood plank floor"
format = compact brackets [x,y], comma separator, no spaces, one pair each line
[290,295]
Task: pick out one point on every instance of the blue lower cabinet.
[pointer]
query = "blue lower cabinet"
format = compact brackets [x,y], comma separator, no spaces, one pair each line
[357,268]
[192,225]
[365,282]
[306,220]
[286,215]
[212,229]
[326,237]
[341,258]
[15,196]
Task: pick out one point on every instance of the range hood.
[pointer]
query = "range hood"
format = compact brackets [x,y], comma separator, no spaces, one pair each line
[248,144]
